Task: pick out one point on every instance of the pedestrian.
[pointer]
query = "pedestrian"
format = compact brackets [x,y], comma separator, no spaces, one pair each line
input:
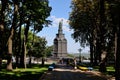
[75,64]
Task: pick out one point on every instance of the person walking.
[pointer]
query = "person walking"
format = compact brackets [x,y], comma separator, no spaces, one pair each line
[75,64]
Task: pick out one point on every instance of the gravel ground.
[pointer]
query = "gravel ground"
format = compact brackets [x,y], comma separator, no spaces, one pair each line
[68,73]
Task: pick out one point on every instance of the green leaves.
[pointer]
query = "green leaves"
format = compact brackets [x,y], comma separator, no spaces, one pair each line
[81,20]
[39,47]
[36,11]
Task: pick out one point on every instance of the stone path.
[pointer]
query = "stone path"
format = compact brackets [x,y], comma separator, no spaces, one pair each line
[67,73]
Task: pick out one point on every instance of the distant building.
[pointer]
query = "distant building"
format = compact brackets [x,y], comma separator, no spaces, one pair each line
[60,43]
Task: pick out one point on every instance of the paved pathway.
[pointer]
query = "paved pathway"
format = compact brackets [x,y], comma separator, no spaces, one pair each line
[67,73]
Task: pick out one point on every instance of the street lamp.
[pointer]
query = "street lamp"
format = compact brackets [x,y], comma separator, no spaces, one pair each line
[80,54]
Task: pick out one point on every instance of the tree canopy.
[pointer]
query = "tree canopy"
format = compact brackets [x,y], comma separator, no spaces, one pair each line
[96,22]
[15,14]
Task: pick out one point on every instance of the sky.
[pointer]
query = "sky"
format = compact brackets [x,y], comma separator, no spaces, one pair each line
[60,10]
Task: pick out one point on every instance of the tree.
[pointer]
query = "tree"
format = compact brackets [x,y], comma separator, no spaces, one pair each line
[17,13]
[12,29]
[115,15]
[101,35]
[92,24]
[3,6]
[35,15]
[84,21]
[48,51]
[39,48]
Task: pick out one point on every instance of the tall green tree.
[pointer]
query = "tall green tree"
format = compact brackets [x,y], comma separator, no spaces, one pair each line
[101,36]
[92,24]
[35,15]
[84,21]
[39,48]
[16,13]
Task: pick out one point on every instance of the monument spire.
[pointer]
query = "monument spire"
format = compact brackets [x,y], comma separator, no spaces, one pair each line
[60,43]
[60,31]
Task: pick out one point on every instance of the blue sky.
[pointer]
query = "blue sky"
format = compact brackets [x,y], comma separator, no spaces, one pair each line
[60,10]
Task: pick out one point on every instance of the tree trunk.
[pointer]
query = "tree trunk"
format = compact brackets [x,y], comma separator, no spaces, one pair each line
[117,56]
[91,52]
[97,50]
[9,55]
[2,27]
[15,46]
[103,62]
[1,45]
[2,16]
[23,55]
[43,61]
[19,47]
[17,61]
[25,51]
[117,59]
[19,37]
[13,27]
[102,53]
[24,47]
[30,59]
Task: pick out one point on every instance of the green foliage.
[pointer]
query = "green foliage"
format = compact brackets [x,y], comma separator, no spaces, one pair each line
[48,51]
[17,13]
[35,46]
[95,23]
[36,12]
[81,20]
[39,47]
[71,55]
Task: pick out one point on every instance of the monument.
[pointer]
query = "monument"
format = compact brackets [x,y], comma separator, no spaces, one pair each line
[60,43]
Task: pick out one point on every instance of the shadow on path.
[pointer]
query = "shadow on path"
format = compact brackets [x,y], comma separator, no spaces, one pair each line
[62,72]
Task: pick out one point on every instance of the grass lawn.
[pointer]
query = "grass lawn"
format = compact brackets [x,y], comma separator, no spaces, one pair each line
[110,70]
[33,73]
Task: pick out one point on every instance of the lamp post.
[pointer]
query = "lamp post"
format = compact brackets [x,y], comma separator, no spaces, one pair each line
[80,54]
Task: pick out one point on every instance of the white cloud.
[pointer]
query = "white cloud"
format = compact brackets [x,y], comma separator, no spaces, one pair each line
[55,23]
